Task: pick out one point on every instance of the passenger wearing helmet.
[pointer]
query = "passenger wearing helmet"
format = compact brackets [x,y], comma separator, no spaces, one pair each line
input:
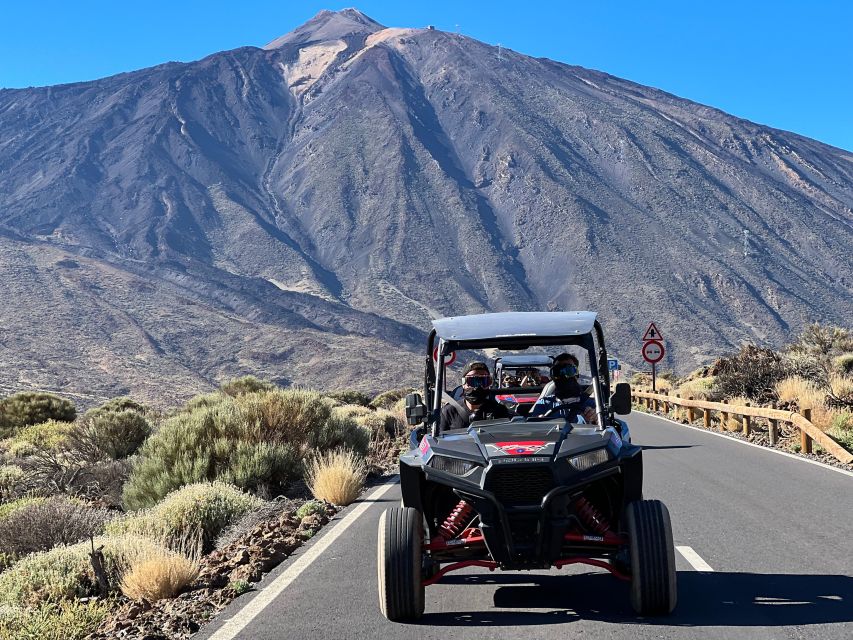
[477,403]
[563,396]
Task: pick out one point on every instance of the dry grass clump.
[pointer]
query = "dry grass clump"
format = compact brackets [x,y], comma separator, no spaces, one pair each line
[794,388]
[734,422]
[336,476]
[159,573]
[698,388]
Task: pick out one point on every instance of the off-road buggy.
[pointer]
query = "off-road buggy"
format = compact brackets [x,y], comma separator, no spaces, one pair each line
[522,493]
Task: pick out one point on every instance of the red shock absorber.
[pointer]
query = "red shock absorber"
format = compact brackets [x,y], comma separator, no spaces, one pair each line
[456,521]
[591,516]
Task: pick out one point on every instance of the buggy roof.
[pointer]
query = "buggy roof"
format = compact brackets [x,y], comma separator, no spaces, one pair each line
[515,324]
[532,360]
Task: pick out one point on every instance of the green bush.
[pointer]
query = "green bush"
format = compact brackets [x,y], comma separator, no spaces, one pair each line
[352,411]
[31,407]
[122,403]
[46,435]
[381,424]
[205,400]
[52,621]
[11,478]
[350,396]
[310,508]
[109,435]
[339,432]
[246,384]
[844,364]
[65,573]
[387,399]
[8,508]
[841,429]
[255,441]
[204,508]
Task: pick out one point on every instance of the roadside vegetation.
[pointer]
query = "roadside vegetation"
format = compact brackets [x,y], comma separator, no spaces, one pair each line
[814,372]
[120,505]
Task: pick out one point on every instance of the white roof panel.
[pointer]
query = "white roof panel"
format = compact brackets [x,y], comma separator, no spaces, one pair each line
[515,324]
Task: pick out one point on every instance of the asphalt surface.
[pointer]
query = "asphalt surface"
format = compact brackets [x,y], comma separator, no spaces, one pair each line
[778,533]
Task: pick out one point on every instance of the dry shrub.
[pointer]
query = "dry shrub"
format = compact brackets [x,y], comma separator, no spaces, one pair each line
[160,573]
[46,435]
[72,472]
[39,525]
[751,373]
[336,476]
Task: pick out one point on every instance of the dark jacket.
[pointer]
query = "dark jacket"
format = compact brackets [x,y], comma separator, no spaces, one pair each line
[452,418]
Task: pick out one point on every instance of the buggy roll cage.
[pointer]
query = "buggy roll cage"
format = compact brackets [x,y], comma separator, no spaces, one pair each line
[592,342]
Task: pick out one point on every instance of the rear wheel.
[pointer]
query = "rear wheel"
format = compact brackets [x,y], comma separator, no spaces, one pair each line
[399,558]
[653,584]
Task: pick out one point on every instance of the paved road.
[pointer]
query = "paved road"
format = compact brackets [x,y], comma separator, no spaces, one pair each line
[778,533]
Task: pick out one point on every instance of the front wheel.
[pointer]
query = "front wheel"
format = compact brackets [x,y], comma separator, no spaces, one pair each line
[399,558]
[653,583]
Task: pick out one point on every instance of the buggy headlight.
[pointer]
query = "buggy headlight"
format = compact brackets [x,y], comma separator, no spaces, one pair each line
[590,459]
[452,465]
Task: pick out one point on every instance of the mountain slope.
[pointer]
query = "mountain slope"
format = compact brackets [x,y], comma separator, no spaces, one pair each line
[330,192]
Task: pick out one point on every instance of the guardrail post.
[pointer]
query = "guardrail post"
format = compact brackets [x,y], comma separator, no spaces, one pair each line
[666,405]
[690,411]
[773,428]
[706,418]
[806,439]
[724,417]
[745,421]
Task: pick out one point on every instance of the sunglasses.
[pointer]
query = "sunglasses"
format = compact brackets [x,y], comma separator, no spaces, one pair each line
[566,370]
[478,381]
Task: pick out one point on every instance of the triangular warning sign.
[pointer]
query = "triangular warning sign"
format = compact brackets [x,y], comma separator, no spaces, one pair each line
[652,333]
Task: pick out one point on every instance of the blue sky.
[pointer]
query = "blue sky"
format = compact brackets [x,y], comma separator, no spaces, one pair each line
[785,64]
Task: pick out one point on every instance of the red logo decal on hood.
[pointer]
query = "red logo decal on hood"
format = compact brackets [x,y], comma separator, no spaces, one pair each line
[528,448]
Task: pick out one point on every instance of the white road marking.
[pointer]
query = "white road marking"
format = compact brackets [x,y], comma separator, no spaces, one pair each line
[694,559]
[752,444]
[269,593]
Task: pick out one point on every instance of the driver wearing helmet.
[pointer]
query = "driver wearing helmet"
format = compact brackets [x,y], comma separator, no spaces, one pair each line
[477,404]
[565,398]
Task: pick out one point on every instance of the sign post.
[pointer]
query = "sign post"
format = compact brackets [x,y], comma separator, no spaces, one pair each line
[653,350]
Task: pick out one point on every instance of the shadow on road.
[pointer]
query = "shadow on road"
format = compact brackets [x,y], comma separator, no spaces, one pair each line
[704,600]
[668,446]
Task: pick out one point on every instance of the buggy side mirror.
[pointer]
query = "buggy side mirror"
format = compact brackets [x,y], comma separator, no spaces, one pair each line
[620,400]
[415,409]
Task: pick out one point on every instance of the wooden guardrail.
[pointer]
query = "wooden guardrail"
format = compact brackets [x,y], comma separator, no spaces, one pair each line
[808,431]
